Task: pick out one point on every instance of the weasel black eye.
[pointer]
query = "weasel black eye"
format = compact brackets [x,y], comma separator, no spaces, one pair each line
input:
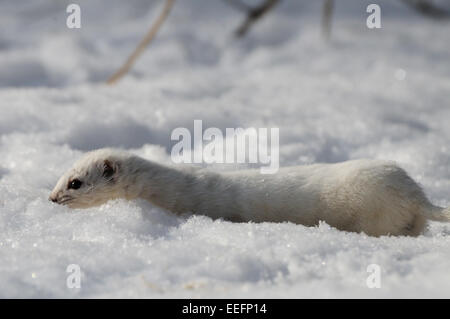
[75,184]
[108,169]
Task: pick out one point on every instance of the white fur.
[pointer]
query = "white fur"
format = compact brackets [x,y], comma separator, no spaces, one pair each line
[370,196]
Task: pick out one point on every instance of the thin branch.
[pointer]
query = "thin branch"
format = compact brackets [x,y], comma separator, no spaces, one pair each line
[254,15]
[143,44]
[427,8]
[327,14]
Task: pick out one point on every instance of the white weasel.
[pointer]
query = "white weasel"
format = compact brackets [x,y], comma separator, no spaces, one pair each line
[370,196]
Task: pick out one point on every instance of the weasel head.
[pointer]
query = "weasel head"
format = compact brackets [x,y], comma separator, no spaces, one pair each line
[93,180]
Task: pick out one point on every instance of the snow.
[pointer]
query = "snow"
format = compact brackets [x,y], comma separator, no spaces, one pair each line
[368,93]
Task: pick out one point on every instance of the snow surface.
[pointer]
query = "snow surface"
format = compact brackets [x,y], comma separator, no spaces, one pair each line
[368,93]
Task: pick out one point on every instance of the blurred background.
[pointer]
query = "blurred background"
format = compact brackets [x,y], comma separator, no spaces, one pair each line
[38,49]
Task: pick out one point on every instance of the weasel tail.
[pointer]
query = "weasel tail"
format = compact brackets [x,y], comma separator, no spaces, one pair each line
[439,214]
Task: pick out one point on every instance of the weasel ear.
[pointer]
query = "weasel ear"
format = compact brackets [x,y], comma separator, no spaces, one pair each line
[108,169]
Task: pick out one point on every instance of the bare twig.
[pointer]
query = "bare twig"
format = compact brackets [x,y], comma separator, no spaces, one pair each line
[327,14]
[143,44]
[427,8]
[254,15]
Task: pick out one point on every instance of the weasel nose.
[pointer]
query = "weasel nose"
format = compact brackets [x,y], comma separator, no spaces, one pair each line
[53,199]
